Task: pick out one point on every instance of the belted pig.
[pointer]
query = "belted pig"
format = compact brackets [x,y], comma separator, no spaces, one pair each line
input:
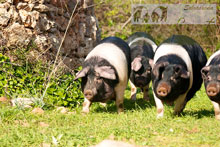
[105,73]
[211,77]
[176,73]
[142,47]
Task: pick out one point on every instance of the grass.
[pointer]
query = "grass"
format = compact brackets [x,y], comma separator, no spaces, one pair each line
[138,125]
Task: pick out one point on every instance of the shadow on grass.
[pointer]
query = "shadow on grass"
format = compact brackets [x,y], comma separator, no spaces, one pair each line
[129,105]
[199,114]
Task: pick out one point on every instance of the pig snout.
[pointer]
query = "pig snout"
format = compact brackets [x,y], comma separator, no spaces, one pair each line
[212,89]
[163,89]
[88,94]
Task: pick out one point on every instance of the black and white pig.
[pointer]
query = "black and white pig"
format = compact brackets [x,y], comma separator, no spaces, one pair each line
[211,77]
[105,73]
[142,47]
[176,73]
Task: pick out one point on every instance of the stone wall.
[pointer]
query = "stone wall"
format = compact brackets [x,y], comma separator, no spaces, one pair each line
[43,23]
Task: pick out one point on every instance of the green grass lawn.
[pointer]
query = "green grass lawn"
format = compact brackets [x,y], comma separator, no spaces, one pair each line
[138,125]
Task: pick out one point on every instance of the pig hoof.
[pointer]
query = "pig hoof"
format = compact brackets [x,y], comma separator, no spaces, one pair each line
[133,97]
[177,113]
[160,113]
[146,98]
[159,116]
[217,117]
[120,110]
[85,111]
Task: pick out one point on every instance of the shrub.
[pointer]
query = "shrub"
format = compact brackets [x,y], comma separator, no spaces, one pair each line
[30,80]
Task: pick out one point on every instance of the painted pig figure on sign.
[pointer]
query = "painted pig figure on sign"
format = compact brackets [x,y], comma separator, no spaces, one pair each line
[176,73]
[142,48]
[211,77]
[105,73]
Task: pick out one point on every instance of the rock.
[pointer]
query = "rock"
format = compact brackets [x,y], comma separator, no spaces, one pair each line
[62,110]
[82,31]
[43,43]
[14,14]
[37,111]
[55,40]
[23,102]
[44,22]
[89,45]
[45,145]
[69,44]
[17,35]
[43,124]
[29,19]
[41,1]
[25,6]
[4,100]
[4,17]
[59,3]
[42,8]
[5,5]
[61,22]
[10,1]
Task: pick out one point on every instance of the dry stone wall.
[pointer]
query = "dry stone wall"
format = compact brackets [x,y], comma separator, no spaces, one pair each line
[43,23]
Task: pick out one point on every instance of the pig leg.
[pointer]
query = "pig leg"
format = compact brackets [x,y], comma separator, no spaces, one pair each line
[146,95]
[160,108]
[180,104]
[217,110]
[120,98]
[86,105]
[120,102]
[133,91]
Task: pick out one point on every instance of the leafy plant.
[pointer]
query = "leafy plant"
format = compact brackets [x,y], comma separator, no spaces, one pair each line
[29,81]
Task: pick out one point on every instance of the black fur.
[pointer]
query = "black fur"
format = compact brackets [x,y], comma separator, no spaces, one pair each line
[101,95]
[197,56]
[123,46]
[177,89]
[138,35]
[214,72]
[215,60]
[143,49]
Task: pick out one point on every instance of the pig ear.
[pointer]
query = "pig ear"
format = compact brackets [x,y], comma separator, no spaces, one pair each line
[151,62]
[82,73]
[136,64]
[205,71]
[185,74]
[106,72]
[158,68]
